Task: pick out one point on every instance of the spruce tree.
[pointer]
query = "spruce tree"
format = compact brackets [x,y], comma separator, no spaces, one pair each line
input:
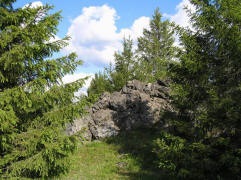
[100,84]
[206,90]
[156,48]
[124,65]
[34,104]
[114,78]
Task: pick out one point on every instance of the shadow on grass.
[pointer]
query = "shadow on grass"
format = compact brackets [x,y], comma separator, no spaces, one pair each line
[139,145]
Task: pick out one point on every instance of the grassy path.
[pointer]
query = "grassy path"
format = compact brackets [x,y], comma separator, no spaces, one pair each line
[99,160]
[123,157]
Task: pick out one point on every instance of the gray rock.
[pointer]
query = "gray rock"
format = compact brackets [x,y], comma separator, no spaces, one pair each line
[103,124]
[80,125]
[136,105]
[117,101]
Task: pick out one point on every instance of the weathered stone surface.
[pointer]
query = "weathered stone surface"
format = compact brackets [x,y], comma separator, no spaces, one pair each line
[136,105]
[103,124]
[80,125]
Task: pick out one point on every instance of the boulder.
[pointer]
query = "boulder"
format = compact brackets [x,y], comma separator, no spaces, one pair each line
[136,105]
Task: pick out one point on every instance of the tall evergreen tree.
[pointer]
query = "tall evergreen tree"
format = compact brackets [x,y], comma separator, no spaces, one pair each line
[124,65]
[156,48]
[207,90]
[34,104]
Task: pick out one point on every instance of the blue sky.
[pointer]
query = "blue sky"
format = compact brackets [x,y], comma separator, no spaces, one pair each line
[127,10]
[97,27]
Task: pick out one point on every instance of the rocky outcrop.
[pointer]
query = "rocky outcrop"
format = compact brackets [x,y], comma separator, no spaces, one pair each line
[136,105]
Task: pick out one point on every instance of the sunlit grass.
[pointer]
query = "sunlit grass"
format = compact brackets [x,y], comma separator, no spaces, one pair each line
[123,157]
[99,160]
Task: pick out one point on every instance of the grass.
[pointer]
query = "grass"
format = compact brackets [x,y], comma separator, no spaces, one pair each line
[100,160]
[127,156]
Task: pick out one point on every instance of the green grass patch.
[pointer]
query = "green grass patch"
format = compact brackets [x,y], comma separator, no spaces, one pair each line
[127,156]
[100,160]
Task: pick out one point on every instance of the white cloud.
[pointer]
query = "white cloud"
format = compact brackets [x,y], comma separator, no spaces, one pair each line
[136,29]
[181,17]
[34,4]
[95,36]
[74,77]
[54,39]
[99,23]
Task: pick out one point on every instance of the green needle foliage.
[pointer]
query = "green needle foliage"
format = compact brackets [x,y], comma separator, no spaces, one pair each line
[114,78]
[206,90]
[34,104]
[156,49]
[99,85]
[124,65]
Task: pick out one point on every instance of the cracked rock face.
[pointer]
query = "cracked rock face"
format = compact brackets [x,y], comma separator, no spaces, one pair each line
[136,105]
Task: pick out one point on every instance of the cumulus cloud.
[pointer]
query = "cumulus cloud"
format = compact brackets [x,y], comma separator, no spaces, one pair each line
[181,16]
[34,4]
[54,38]
[136,29]
[99,23]
[74,77]
[95,36]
